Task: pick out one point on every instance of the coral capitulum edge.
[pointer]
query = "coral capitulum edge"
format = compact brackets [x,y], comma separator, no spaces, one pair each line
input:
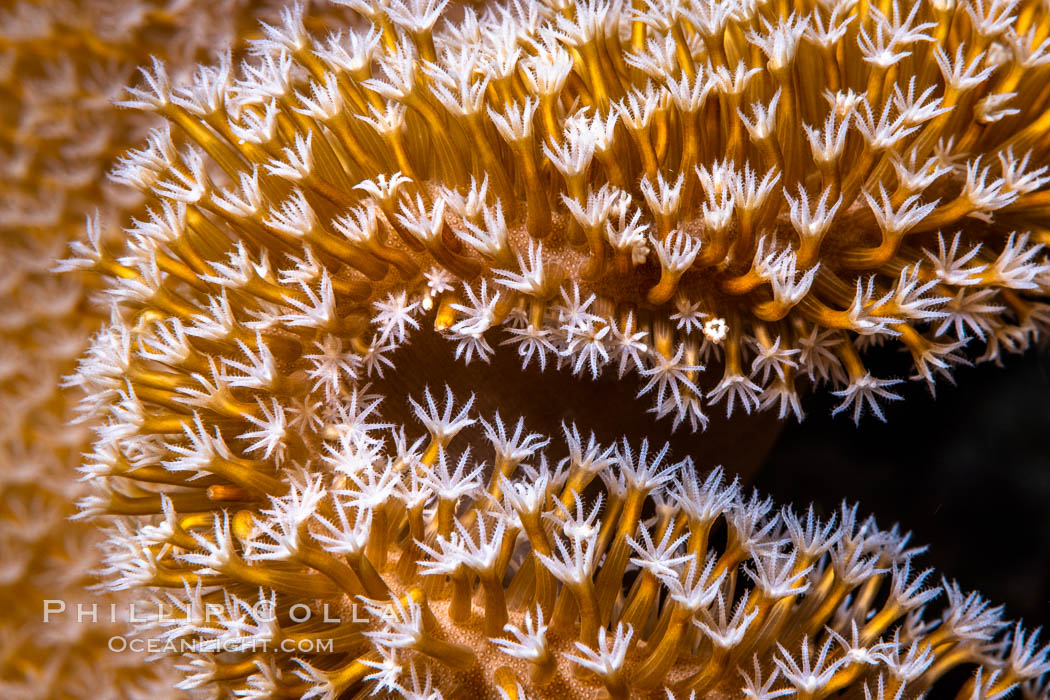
[404,567]
[763,188]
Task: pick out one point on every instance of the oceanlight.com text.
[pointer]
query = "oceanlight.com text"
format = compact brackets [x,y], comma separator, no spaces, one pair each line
[120,643]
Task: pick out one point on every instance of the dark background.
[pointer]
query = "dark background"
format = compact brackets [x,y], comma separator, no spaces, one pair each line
[968,472]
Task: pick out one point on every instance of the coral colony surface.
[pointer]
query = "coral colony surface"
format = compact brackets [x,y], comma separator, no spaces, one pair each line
[731,200]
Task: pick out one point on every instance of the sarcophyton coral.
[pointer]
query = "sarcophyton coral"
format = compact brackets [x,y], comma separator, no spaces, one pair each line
[651,188]
[763,187]
[401,566]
